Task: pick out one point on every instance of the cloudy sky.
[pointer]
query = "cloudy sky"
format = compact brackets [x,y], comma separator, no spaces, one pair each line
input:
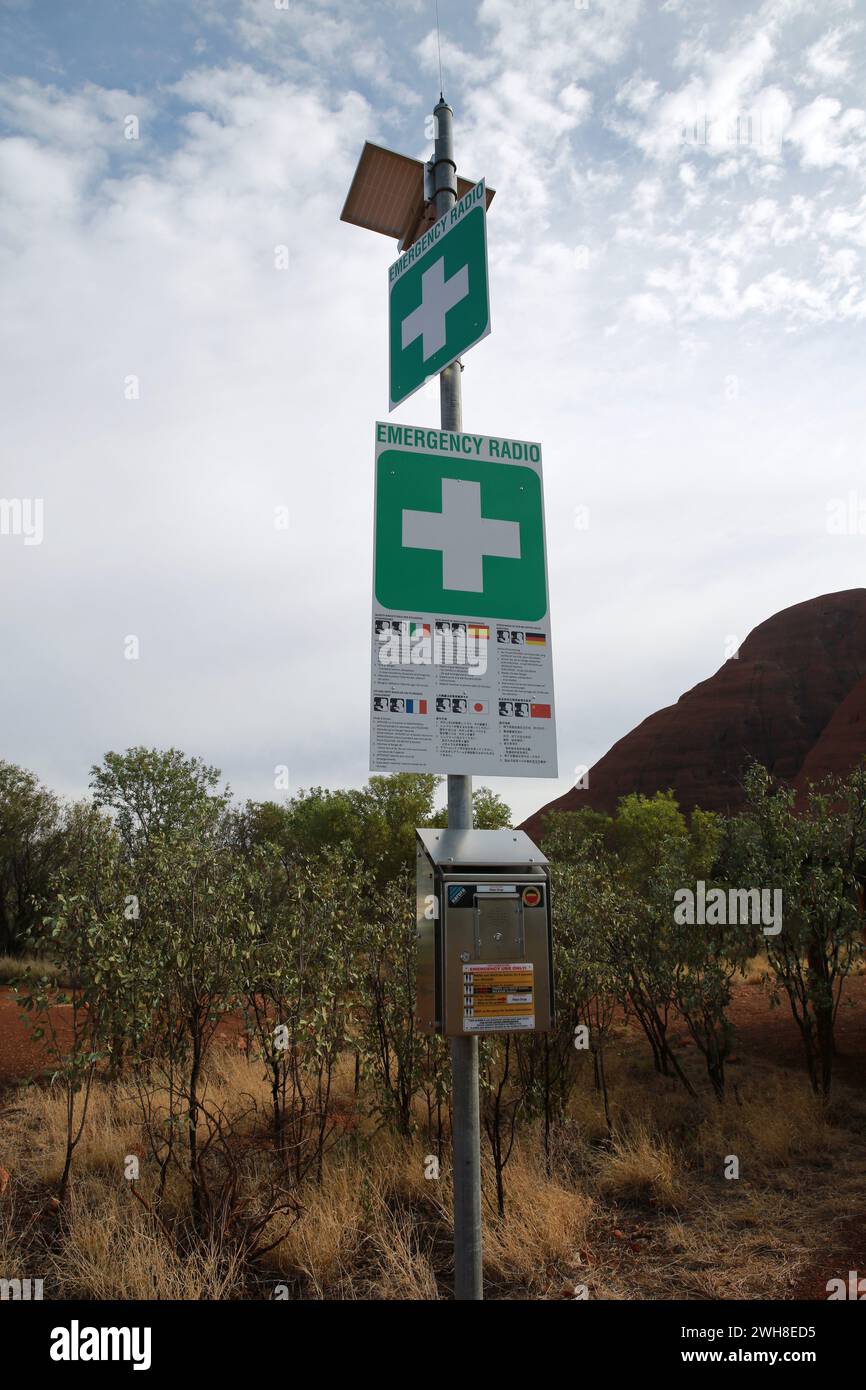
[677,245]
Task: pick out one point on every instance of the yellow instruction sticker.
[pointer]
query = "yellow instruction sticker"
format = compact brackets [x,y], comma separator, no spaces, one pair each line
[498,998]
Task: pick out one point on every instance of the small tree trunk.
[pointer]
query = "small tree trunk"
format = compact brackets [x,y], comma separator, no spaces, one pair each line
[598,1058]
[192,1120]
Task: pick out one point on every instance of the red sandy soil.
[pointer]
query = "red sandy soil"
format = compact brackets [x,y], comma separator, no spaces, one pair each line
[846,1251]
[771,1033]
[762,1031]
[20,1057]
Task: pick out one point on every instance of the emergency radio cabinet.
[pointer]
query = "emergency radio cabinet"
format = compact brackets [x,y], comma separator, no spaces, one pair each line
[484,942]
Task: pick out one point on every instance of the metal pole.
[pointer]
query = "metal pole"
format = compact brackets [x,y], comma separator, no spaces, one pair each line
[466,1124]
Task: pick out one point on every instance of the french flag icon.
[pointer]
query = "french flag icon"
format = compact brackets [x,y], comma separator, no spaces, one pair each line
[416,706]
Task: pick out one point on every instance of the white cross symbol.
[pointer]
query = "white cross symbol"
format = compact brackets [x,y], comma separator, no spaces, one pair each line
[462,534]
[438,295]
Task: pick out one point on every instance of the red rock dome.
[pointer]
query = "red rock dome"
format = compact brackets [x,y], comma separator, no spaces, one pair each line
[795,699]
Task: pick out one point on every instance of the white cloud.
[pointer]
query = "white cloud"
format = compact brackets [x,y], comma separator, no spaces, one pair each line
[633,274]
[647,194]
[841,266]
[706,106]
[637,93]
[647,308]
[825,58]
[91,119]
[828,135]
[848,223]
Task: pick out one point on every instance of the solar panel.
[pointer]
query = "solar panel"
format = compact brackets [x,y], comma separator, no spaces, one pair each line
[387,195]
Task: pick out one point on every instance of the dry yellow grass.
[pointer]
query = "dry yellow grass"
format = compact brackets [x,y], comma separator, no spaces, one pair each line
[13,1243]
[777,1121]
[545,1224]
[321,1249]
[360,1235]
[757,970]
[648,1213]
[34,1142]
[638,1166]
[402,1268]
[113,1251]
[30,968]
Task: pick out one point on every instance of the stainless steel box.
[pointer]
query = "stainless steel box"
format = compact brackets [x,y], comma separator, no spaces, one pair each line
[485,957]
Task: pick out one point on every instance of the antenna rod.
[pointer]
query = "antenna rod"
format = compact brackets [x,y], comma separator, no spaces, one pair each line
[439,47]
